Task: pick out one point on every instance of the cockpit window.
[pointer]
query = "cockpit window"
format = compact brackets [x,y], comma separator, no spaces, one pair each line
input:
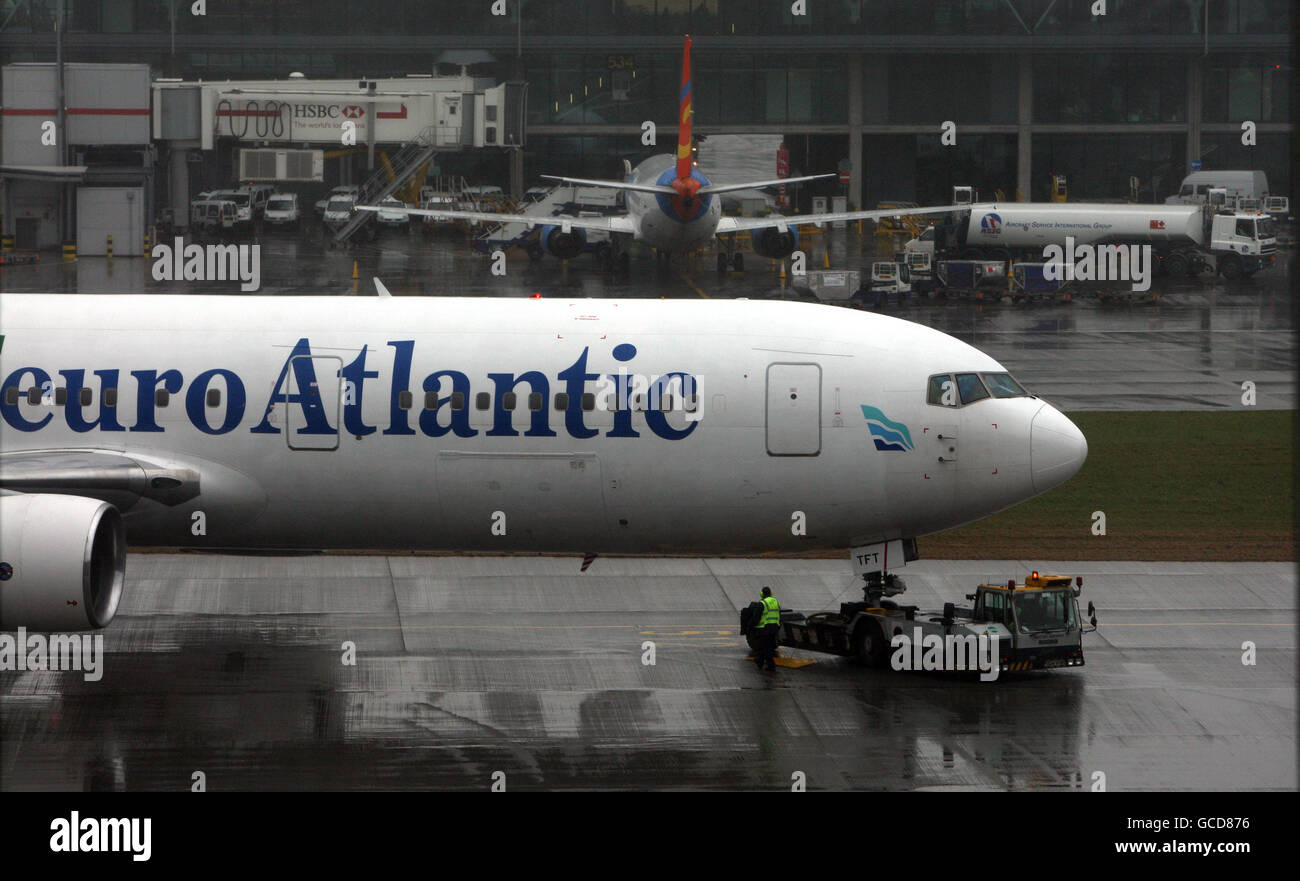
[970,387]
[942,391]
[1003,386]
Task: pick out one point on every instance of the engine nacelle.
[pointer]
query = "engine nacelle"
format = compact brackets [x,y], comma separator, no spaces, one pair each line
[773,244]
[62,562]
[563,245]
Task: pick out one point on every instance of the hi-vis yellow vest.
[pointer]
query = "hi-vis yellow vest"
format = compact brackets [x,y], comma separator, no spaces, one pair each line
[771,612]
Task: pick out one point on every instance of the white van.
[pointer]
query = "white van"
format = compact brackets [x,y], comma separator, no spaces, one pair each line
[1239,184]
[260,194]
[243,200]
[282,208]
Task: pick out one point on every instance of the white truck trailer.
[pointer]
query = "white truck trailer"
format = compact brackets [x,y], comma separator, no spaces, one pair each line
[1184,239]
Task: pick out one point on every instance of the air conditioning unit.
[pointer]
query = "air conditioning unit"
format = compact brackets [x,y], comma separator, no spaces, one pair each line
[281,165]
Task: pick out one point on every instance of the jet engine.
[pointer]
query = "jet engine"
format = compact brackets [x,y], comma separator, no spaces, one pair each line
[563,245]
[62,562]
[773,244]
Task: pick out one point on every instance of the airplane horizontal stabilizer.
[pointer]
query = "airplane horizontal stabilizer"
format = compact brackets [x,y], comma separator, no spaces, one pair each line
[612,184]
[759,184]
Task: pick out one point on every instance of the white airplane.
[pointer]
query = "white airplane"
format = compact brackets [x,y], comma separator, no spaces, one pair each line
[671,206]
[586,426]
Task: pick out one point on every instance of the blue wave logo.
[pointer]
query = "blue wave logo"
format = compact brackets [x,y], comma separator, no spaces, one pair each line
[991,224]
[886,433]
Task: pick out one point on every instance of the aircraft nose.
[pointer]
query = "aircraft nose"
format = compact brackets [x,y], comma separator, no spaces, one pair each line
[1056,448]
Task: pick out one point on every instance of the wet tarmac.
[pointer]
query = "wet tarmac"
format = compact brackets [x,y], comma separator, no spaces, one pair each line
[1186,345]
[466,666]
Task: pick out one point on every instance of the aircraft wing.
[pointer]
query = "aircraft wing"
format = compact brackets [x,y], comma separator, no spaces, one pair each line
[734,224]
[617,223]
[115,478]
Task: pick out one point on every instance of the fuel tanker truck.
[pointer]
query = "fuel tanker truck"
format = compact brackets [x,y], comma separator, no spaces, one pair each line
[1184,239]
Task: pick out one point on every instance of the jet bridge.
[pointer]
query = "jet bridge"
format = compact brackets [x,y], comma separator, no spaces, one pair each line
[283,128]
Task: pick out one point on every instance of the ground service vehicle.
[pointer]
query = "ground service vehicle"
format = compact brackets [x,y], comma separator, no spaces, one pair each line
[344,190]
[283,209]
[243,200]
[339,210]
[1196,186]
[214,216]
[1185,239]
[1037,624]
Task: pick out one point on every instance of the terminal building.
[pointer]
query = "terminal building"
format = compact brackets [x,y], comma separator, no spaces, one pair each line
[1123,105]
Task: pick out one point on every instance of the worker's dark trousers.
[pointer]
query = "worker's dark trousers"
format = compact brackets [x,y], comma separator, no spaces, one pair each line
[767,647]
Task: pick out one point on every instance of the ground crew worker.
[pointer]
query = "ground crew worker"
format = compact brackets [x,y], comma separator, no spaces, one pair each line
[768,625]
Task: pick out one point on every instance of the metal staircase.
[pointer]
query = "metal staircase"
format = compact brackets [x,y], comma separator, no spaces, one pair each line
[560,199]
[402,166]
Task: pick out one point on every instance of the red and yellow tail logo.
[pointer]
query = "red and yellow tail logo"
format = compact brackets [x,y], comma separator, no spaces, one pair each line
[684,116]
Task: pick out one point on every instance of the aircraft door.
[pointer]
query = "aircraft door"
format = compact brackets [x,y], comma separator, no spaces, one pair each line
[449,119]
[794,406]
[312,402]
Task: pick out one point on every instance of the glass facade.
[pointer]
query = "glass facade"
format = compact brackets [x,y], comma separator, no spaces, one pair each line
[1099,166]
[1109,88]
[615,18]
[602,67]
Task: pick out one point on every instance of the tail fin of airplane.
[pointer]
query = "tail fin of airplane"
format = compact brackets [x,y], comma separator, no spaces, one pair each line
[685,114]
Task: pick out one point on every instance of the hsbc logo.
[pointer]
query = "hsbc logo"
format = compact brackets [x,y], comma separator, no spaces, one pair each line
[328,111]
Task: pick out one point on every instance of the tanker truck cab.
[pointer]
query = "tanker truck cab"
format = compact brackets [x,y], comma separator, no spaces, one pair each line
[1038,623]
[1242,242]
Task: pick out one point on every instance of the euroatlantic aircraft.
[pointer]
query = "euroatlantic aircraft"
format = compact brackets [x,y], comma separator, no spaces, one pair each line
[671,206]
[582,426]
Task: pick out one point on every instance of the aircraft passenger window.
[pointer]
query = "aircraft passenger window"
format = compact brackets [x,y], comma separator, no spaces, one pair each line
[34,395]
[588,401]
[508,401]
[692,402]
[535,401]
[458,400]
[214,397]
[161,397]
[971,388]
[942,391]
[110,397]
[638,402]
[431,400]
[85,396]
[561,400]
[1003,386]
[666,403]
[405,399]
[11,395]
[482,400]
[60,397]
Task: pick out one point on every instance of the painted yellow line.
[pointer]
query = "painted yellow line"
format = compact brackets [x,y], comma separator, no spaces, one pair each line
[693,285]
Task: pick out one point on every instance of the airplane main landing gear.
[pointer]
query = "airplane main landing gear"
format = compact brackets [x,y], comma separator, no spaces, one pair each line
[736,261]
